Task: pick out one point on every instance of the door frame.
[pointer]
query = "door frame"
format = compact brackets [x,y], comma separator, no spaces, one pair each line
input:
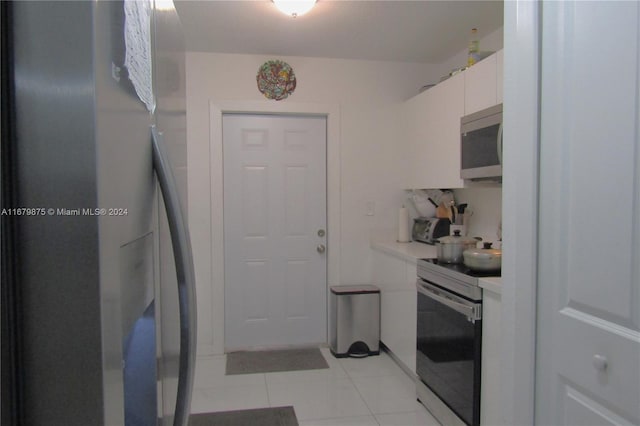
[216,110]
[520,209]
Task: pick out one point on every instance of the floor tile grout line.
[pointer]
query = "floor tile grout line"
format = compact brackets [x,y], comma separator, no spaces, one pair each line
[266,387]
[362,397]
[385,374]
[365,401]
[342,417]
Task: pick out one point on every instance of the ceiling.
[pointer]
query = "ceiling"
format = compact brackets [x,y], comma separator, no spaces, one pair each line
[408,31]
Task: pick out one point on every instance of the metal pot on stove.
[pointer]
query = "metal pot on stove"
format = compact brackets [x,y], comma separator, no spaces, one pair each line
[486,259]
[450,248]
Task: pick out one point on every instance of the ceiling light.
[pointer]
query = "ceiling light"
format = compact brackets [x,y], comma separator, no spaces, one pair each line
[294,7]
[164,5]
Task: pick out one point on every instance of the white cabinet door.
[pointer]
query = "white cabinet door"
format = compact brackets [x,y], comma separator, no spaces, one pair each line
[389,276]
[388,271]
[416,125]
[490,394]
[408,355]
[398,312]
[398,299]
[434,135]
[499,76]
[480,85]
[588,343]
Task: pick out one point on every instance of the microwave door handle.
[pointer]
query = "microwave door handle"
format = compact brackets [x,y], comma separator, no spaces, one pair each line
[499,143]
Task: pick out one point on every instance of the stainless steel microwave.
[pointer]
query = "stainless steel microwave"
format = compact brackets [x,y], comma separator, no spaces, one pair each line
[481,145]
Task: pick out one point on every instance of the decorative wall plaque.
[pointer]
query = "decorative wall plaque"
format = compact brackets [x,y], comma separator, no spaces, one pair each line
[276,80]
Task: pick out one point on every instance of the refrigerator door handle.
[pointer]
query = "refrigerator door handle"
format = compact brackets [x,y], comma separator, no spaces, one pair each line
[185,274]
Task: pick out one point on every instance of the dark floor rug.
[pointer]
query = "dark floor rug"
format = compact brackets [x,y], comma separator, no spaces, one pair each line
[272,361]
[275,416]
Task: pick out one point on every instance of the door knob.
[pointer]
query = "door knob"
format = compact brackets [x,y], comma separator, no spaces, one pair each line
[321,232]
[600,362]
[321,248]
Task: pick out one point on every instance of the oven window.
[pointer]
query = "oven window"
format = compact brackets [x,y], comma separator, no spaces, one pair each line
[448,357]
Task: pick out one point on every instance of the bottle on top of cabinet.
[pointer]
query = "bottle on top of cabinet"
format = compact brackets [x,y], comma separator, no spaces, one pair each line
[474,47]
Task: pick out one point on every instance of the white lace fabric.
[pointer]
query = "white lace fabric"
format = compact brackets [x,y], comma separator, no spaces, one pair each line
[138,56]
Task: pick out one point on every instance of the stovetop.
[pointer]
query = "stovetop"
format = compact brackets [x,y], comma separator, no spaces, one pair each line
[462,269]
[455,277]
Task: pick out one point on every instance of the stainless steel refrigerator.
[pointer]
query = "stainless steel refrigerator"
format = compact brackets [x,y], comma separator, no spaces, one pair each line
[98,299]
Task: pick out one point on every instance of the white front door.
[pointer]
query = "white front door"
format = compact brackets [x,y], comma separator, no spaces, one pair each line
[588,342]
[274,230]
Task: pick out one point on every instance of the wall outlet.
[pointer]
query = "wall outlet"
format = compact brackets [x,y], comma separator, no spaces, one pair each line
[370,208]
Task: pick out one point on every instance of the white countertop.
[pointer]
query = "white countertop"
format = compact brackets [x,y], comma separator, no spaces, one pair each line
[492,284]
[406,251]
[413,251]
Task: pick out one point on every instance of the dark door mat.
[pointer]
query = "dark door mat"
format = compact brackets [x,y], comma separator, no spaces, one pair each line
[272,361]
[275,416]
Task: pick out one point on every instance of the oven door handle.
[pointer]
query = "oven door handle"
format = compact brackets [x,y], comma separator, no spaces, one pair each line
[472,311]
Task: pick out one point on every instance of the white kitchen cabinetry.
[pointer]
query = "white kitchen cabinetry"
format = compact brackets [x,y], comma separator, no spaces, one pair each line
[480,85]
[432,122]
[499,75]
[398,298]
[490,408]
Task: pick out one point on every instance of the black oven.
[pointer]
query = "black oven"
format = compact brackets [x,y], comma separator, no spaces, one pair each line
[449,344]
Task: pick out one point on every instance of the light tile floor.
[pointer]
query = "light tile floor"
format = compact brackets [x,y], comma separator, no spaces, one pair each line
[371,391]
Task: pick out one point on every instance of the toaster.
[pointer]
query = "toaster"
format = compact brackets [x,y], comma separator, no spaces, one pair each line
[429,229]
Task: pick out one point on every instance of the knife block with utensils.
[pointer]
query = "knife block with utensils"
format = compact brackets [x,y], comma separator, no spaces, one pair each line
[442,212]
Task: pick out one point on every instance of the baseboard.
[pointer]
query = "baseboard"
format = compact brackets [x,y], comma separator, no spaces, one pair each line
[397,360]
[275,347]
[206,350]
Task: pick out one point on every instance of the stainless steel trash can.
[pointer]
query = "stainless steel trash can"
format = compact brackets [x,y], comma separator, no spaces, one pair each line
[354,327]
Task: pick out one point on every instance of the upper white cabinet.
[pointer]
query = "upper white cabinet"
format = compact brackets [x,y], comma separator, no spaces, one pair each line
[433,127]
[431,122]
[481,84]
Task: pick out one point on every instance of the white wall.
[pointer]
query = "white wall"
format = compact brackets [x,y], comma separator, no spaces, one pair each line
[372,158]
[491,42]
[485,203]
